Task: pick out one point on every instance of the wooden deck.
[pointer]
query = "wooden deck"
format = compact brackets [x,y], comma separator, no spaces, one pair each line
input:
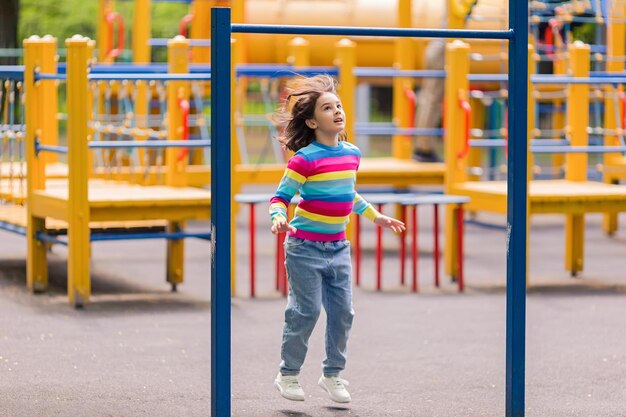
[115,201]
[547,196]
[17,216]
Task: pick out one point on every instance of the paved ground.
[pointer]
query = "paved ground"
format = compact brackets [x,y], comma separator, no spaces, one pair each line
[139,350]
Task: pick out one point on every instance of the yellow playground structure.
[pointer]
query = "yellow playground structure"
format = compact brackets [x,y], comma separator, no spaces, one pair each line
[574,195]
[143,169]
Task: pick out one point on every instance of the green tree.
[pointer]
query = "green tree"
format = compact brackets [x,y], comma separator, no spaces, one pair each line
[9,16]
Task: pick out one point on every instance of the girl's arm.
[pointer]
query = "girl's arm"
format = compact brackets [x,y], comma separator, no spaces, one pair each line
[294,177]
[365,209]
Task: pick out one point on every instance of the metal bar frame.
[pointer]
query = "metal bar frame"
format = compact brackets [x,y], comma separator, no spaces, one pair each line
[517,34]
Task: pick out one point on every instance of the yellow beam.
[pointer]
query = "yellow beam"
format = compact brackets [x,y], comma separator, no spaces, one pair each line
[36,263]
[456,88]
[78,56]
[576,163]
[403,88]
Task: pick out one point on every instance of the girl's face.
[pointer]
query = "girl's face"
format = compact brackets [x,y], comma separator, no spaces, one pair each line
[329,119]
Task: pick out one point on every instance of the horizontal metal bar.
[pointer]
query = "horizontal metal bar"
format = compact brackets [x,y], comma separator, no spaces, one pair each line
[150,77]
[156,68]
[282,71]
[149,144]
[390,72]
[44,237]
[410,131]
[578,149]
[501,143]
[192,42]
[368,31]
[101,237]
[13,228]
[487,77]
[42,76]
[12,72]
[49,148]
[547,79]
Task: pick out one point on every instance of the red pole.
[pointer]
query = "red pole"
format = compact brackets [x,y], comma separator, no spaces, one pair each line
[282,273]
[436,251]
[357,249]
[278,262]
[402,247]
[379,253]
[414,248]
[459,225]
[252,254]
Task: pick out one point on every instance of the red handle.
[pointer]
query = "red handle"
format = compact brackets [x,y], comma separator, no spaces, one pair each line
[184,109]
[467,109]
[410,95]
[622,98]
[184,24]
[111,18]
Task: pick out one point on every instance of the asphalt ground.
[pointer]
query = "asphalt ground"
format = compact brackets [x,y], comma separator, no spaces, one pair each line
[139,350]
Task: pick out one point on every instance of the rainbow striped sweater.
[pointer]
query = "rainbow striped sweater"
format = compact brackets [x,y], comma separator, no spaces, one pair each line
[325,176]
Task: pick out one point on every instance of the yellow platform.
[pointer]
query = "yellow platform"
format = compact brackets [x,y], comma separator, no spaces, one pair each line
[547,196]
[114,201]
[17,216]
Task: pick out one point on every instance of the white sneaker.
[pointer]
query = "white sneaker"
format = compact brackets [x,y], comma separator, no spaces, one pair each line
[336,388]
[289,387]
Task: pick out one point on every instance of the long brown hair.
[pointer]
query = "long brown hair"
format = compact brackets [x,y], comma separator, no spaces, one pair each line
[299,106]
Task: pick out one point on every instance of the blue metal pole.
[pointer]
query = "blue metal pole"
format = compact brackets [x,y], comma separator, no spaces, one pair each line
[369,31]
[516,210]
[220,213]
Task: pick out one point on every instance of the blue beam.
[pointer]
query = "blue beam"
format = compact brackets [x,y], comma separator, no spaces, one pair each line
[220,213]
[366,31]
[517,198]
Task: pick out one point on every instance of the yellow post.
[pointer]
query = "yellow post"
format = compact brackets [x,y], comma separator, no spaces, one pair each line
[239,16]
[78,285]
[299,52]
[102,35]
[616,47]
[141,55]
[36,263]
[176,90]
[346,61]
[529,136]
[475,156]
[176,175]
[401,146]
[576,163]
[558,117]
[456,88]
[141,31]
[201,29]
[49,97]
[235,160]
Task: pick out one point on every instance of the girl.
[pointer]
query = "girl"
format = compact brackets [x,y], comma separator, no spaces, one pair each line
[317,254]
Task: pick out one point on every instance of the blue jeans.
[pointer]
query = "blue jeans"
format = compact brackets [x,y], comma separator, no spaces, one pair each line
[319,274]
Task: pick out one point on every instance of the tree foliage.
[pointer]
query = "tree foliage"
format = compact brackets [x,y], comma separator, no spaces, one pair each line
[63,19]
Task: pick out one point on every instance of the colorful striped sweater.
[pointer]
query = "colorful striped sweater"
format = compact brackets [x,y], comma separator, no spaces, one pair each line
[325,176]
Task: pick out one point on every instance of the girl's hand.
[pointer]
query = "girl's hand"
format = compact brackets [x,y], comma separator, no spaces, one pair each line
[396,225]
[280,225]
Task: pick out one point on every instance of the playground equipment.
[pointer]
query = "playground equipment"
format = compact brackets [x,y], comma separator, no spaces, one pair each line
[83,203]
[573,196]
[516,256]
